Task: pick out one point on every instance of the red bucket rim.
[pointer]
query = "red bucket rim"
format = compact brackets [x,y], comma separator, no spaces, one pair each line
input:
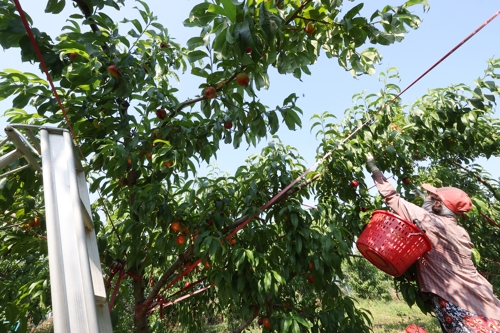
[410,224]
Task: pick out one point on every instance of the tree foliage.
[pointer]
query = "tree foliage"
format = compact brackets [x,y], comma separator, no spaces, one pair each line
[285,265]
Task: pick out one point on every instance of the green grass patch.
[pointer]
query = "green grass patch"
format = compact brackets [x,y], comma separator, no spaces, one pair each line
[394,316]
[388,317]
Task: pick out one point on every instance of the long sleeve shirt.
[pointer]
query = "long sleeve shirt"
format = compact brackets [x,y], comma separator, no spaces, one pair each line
[447,269]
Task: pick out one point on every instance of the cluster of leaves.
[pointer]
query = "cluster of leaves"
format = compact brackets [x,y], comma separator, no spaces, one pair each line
[24,272]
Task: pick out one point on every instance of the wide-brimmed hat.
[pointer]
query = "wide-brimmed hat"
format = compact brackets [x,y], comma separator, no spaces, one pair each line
[454,198]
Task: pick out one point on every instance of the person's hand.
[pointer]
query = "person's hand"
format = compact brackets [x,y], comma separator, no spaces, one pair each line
[370,163]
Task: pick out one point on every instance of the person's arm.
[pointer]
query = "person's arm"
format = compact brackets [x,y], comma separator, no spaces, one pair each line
[391,196]
[388,191]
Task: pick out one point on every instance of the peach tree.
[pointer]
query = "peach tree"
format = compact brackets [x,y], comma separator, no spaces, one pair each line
[143,147]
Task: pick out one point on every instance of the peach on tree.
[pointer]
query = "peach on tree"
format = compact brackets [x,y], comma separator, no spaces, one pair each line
[242,79]
[114,72]
[210,92]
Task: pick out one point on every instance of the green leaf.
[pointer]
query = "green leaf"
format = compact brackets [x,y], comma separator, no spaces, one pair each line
[229,37]
[476,256]
[390,149]
[216,9]
[244,33]
[230,8]
[261,80]
[195,42]
[196,55]
[250,257]
[228,11]
[273,122]
[199,16]
[137,25]
[410,3]
[287,322]
[353,11]
[384,38]
[267,281]
[278,278]
[269,23]
[55,6]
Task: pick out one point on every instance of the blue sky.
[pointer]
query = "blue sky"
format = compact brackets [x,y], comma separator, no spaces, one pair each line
[329,88]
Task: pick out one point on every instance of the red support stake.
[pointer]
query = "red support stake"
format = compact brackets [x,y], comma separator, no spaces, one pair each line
[490,220]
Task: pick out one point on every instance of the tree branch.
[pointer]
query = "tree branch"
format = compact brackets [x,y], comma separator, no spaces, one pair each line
[84,8]
[491,261]
[490,220]
[294,15]
[240,328]
[318,21]
[168,273]
[481,180]
[286,195]
[201,98]
[188,102]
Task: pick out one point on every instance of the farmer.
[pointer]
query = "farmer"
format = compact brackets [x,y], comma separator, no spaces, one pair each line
[463,300]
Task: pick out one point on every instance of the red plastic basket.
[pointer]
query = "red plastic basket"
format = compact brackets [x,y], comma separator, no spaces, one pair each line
[391,243]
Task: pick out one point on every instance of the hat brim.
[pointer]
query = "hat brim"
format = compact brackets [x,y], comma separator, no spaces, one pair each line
[430,188]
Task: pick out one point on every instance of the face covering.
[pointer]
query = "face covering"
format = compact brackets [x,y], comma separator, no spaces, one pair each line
[428,205]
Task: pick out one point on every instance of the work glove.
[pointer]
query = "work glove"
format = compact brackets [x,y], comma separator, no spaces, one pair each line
[370,163]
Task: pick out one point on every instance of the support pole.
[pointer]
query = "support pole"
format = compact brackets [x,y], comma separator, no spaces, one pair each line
[78,294]
[79,303]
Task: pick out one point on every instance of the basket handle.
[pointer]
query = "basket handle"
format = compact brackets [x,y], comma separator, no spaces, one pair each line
[417,223]
[414,220]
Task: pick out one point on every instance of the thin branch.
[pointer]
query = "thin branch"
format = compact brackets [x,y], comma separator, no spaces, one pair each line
[481,180]
[23,229]
[168,273]
[490,220]
[87,13]
[244,325]
[189,102]
[491,261]
[285,195]
[356,256]
[109,216]
[318,21]
[201,98]
[294,15]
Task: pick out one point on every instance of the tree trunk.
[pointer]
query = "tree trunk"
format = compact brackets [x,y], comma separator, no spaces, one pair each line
[140,322]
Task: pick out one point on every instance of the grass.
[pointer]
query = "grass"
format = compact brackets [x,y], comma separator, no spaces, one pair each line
[388,317]
[394,316]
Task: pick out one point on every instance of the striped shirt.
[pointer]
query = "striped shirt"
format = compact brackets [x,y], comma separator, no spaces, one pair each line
[447,269]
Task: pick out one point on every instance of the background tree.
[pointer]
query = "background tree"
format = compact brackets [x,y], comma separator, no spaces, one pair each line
[364,280]
[144,147]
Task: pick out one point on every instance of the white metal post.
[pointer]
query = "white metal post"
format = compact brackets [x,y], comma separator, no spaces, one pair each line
[59,302]
[79,302]
[79,298]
